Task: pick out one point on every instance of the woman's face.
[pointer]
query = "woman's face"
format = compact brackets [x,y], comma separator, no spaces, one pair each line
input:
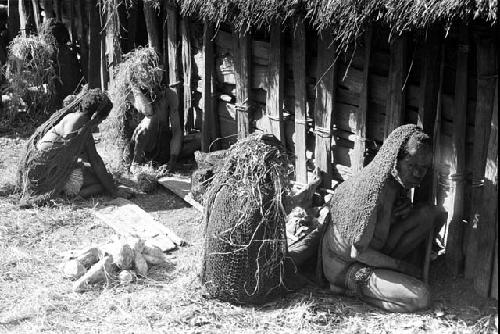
[413,167]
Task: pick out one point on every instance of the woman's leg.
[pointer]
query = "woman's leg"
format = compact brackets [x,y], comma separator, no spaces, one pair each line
[91,184]
[395,292]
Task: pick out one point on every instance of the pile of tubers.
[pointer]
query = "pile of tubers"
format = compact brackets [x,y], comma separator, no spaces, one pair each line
[124,259]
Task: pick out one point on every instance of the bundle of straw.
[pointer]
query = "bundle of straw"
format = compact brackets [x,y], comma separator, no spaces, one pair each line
[30,72]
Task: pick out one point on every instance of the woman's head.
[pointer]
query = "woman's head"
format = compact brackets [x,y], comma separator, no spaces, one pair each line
[414,159]
[96,104]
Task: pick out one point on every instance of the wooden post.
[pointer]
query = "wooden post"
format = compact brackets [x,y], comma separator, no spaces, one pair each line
[72,30]
[486,220]
[152,27]
[209,119]
[323,111]
[48,8]
[13,9]
[395,108]
[242,67]
[454,253]
[299,78]
[131,26]
[360,127]
[26,19]
[36,14]
[102,34]
[486,69]
[174,77]
[58,9]
[494,275]
[276,84]
[187,72]
[94,60]
[429,88]
[113,37]
[82,16]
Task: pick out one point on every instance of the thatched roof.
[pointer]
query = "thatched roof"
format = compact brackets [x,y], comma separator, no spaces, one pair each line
[345,18]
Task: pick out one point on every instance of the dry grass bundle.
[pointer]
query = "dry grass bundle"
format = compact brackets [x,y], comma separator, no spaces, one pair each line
[139,70]
[30,72]
[245,247]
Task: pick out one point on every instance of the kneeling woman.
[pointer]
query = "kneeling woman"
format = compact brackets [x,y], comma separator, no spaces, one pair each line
[61,158]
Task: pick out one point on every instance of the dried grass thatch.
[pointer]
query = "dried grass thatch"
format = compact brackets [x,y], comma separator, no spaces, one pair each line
[345,19]
[30,72]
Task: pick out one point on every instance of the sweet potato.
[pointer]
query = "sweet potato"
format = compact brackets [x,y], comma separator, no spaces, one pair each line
[97,273]
[140,264]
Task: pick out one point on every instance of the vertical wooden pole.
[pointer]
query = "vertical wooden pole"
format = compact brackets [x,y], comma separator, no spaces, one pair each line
[102,36]
[429,88]
[299,78]
[36,14]
[395,108]
[494,275]
[82,16]
[23,19]
[48,9]
[151,18]
[209,119]
[187,73]
[486,69]
[94,60]
[73,32]
[114,36]
[323,111]
[13,9]
[58,9]
[242,50]
[454,252]
[276,84]
[487,218]
[174,76]
[360,127]
[131,25]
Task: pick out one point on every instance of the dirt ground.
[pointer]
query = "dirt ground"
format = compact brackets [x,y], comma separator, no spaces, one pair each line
[34,297]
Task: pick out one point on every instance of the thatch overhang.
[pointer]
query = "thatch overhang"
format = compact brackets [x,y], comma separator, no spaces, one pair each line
[346,19]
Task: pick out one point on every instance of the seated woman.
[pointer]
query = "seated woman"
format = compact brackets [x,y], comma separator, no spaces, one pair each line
[374,226]
[158,136]
[61,158]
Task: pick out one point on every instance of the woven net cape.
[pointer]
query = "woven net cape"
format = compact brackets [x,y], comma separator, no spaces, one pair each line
[42,174]
[245,253]
[354,201]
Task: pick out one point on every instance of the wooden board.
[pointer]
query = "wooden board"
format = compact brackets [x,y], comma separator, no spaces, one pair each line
[275,84]
[358,157]
[395,95]
[299,76]
[129,220]
[324,103]
[494,275]
[486,65]
[181,186]
[487,219]
[454,252]
[242,65]
[209,119]
[187,73]
[429,88]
